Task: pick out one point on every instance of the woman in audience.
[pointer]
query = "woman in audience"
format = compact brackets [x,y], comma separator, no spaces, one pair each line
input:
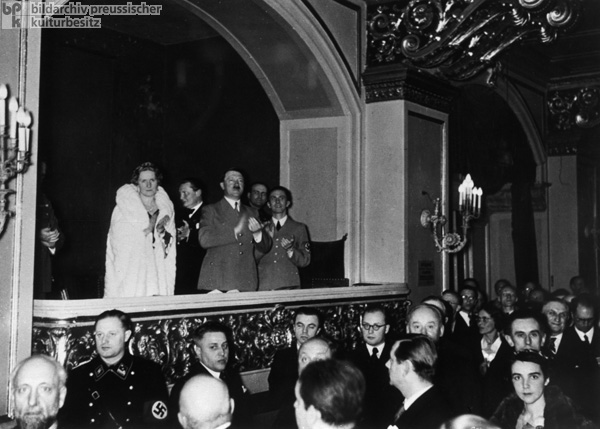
[140,250]
[535,404]
[489,323]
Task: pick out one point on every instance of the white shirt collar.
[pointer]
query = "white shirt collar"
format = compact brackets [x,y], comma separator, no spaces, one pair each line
[409,401]
[281,221]
[196,207]
[211,372]
[589,334]
[380,348]
[232,202]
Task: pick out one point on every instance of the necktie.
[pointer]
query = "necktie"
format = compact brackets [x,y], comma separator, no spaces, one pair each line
[399,413]
[237,206]
[278,226]
[553,345]
[375,354]
[586,339]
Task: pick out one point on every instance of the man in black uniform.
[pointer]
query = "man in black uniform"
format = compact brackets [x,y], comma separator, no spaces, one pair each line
[115,389]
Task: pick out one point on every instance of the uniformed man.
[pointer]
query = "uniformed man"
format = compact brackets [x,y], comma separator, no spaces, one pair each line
[290,251]
[115,389]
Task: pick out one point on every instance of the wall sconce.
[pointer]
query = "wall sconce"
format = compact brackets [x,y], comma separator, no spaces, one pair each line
[14,148]
[469,204]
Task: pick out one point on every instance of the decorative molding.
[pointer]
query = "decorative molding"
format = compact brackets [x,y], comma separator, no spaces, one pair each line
[459,39]
[259,329]
[572,108]
[395,83]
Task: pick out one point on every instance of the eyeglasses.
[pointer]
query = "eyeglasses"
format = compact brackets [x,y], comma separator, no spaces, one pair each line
[368,327]
[555,315]
[468,298]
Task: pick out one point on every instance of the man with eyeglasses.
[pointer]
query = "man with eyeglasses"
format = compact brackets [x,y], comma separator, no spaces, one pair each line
[371,357]
[579,366]
[115,389]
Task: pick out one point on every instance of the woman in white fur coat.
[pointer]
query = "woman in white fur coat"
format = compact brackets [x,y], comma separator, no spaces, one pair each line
[140,248]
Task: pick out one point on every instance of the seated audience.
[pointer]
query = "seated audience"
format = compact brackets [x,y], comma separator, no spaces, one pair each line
[312,350]
[579,363]
[284,369]
[291,249]
[412,367]
[37,391]
[212,349]
[115,388]
[457,373]
[371,357]
[204,403]
[534,404]
[489,322]
[329,394]
[525,329]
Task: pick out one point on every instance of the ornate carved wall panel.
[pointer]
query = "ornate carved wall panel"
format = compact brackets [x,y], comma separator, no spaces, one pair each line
[259,329]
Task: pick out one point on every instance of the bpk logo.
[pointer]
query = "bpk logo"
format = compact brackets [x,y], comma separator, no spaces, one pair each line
[13,14]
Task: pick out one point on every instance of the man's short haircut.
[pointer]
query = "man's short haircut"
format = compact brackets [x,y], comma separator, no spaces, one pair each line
[446,307]
[454,294]
[286,191]
[237,170]
[468,287]
[253,184]
[335,388]
[210,326]
[526,313]
[123,317]
[471,282]
[309,311]
[533,357]
[508,285]
[499,284]
[421,352]
[438,313]
[575,278]
[195,183]
[375,308]
[61,373]
[585,300]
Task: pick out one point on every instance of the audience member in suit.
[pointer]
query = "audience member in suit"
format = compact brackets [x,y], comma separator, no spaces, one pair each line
[371,358]
[315,348]
[257,199]
[291,248]
[508,301]
[189,252]
[284,369]
[500,283]
[457,374]
[329,394]
[412,367]
[211,345]
[535,404]
[525,330]
[230,232]
[578,357]
[204,403]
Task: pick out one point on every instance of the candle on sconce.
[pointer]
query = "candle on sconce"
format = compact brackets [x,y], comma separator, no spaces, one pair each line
[27,120]
[13,107]
[3,95]
[23,130]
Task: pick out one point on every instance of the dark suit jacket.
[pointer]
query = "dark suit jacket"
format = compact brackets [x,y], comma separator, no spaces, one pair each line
[428,411]
[468,337]
[283,376]
[577,373]
[43,257]
[381,399]
[229,262]
[276,269]
[241,413]
[189,255]
[496,381]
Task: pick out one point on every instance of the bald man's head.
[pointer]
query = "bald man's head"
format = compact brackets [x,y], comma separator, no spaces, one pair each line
[204,403]
[313,349]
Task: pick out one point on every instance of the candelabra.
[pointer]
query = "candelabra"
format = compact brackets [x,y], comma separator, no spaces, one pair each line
[14,148]
[469,207]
